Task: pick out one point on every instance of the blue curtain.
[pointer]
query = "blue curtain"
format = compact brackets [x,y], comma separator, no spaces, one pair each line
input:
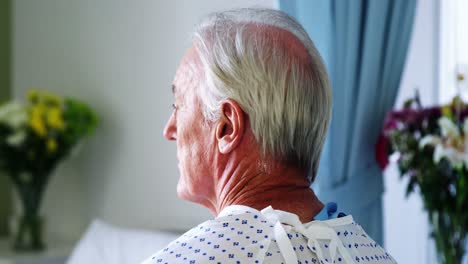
[364,45]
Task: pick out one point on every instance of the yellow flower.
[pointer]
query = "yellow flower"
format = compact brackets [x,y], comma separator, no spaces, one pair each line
[51,145]
[43,97]
[447,111]
[36,120]
[51,99]
[38,126]
[33,96]
[54,118]
[457,102]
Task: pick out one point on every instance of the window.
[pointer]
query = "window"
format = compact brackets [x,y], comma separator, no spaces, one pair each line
[453,50]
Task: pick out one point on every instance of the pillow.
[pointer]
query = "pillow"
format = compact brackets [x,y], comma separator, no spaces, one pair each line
[105,244]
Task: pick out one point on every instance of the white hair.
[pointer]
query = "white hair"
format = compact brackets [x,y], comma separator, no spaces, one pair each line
[250,56]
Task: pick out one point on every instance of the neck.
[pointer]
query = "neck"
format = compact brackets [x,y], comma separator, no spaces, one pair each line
[282,187]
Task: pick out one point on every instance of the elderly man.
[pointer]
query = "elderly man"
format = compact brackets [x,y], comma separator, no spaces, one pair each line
[252,108]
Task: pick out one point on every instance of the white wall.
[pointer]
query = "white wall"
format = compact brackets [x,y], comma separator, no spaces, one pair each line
[405,221]
[120,56]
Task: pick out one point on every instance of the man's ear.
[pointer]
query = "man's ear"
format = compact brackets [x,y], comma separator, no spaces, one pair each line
[230,127]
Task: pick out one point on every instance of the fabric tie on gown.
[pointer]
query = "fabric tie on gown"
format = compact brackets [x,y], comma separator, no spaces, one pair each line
[314,232]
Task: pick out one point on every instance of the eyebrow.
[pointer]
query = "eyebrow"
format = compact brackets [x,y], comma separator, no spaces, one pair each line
[173,89]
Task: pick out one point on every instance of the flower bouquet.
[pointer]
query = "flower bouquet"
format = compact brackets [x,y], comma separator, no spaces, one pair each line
[430,146]
[34,138]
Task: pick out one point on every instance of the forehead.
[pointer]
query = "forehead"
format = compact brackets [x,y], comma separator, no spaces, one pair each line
[188,73]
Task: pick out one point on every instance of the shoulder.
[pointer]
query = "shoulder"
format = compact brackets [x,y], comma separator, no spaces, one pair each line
[230,238]
[359,244]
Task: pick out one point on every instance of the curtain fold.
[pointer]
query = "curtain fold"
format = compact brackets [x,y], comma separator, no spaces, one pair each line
[364,44]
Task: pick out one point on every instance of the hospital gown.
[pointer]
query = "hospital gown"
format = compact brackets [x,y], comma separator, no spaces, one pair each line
[241,234]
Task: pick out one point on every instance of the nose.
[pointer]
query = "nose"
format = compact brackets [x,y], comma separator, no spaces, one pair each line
[170,130]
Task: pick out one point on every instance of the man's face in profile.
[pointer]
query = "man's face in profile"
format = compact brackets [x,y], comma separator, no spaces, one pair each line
[194,136]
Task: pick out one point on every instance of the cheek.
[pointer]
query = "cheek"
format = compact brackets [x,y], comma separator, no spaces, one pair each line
[191,153]
[194,141]
[195,156]
[195,181]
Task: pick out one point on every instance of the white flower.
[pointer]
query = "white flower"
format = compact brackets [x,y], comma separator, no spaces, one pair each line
[430,140]
[16,139]
[455,157]
[451,145]
[448,128]
[13,114]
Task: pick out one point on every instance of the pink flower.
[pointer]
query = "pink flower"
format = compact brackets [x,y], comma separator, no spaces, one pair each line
[381,151]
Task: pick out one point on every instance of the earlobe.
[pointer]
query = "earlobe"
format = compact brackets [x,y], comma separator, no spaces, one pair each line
[230,126]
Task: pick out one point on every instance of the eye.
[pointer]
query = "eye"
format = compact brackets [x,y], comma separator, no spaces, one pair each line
[174,107]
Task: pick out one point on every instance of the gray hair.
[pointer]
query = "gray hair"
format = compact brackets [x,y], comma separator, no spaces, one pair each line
[247,57]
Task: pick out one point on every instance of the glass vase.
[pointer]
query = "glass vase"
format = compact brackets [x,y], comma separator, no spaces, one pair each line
[28,236]
[27,225]
[449,238]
